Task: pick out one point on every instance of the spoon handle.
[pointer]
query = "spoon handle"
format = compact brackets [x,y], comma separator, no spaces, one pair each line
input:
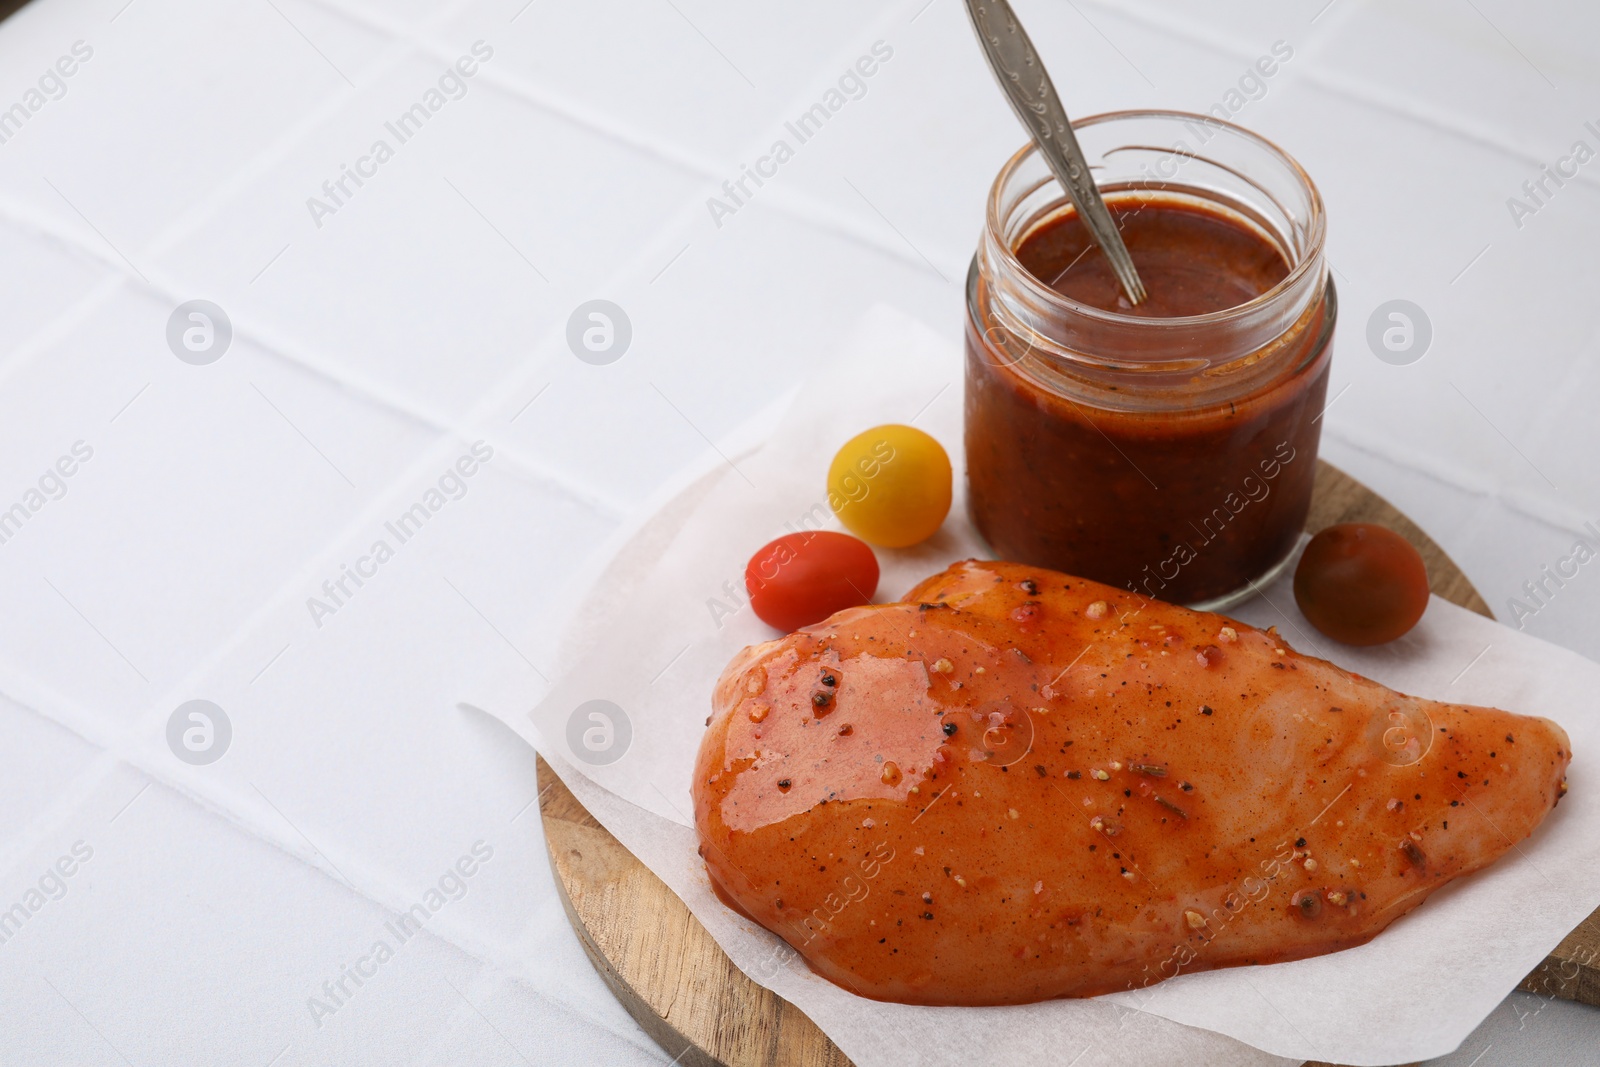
[1027,86]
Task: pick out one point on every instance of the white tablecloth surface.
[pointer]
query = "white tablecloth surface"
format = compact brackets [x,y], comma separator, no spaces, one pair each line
[203,544]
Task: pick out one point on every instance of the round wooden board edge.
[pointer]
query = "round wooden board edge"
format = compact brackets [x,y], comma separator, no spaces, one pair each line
[715,1016]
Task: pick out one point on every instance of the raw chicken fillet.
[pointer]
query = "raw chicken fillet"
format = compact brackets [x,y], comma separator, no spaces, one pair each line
[1016,785]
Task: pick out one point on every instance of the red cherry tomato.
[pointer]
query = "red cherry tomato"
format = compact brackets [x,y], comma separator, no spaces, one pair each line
[1361,584]
[802,578]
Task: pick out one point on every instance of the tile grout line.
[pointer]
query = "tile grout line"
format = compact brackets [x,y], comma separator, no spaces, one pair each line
[526,93]
[374,883]
[1349,89]
[1564,520]
[274,346]
[803,209]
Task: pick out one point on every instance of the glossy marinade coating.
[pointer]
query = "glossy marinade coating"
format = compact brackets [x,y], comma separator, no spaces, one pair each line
[1018,785]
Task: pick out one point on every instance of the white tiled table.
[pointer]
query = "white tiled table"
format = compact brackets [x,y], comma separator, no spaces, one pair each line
[429,311]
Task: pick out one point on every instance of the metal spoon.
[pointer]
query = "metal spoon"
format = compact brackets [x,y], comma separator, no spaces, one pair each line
[1027,86]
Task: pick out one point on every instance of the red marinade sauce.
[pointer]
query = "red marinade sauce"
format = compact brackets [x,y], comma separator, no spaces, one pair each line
[1184,504]
[1192,262]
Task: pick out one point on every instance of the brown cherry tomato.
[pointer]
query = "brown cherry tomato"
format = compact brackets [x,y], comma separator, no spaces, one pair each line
[802,578]
[1361,584]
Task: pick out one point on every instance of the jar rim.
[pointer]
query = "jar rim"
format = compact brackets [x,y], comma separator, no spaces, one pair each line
[1309,261]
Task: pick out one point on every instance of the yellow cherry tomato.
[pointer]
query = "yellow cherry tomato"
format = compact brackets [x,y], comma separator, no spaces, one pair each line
[890,486]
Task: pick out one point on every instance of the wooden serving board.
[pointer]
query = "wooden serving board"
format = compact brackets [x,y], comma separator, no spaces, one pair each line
[680,986]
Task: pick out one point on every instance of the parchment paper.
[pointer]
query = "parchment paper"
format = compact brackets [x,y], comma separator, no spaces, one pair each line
[667,612]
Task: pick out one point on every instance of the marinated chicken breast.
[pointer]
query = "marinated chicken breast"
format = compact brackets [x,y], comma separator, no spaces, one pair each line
[1017,785]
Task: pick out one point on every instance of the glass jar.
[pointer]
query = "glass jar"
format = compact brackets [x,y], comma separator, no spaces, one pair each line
[1171,456]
